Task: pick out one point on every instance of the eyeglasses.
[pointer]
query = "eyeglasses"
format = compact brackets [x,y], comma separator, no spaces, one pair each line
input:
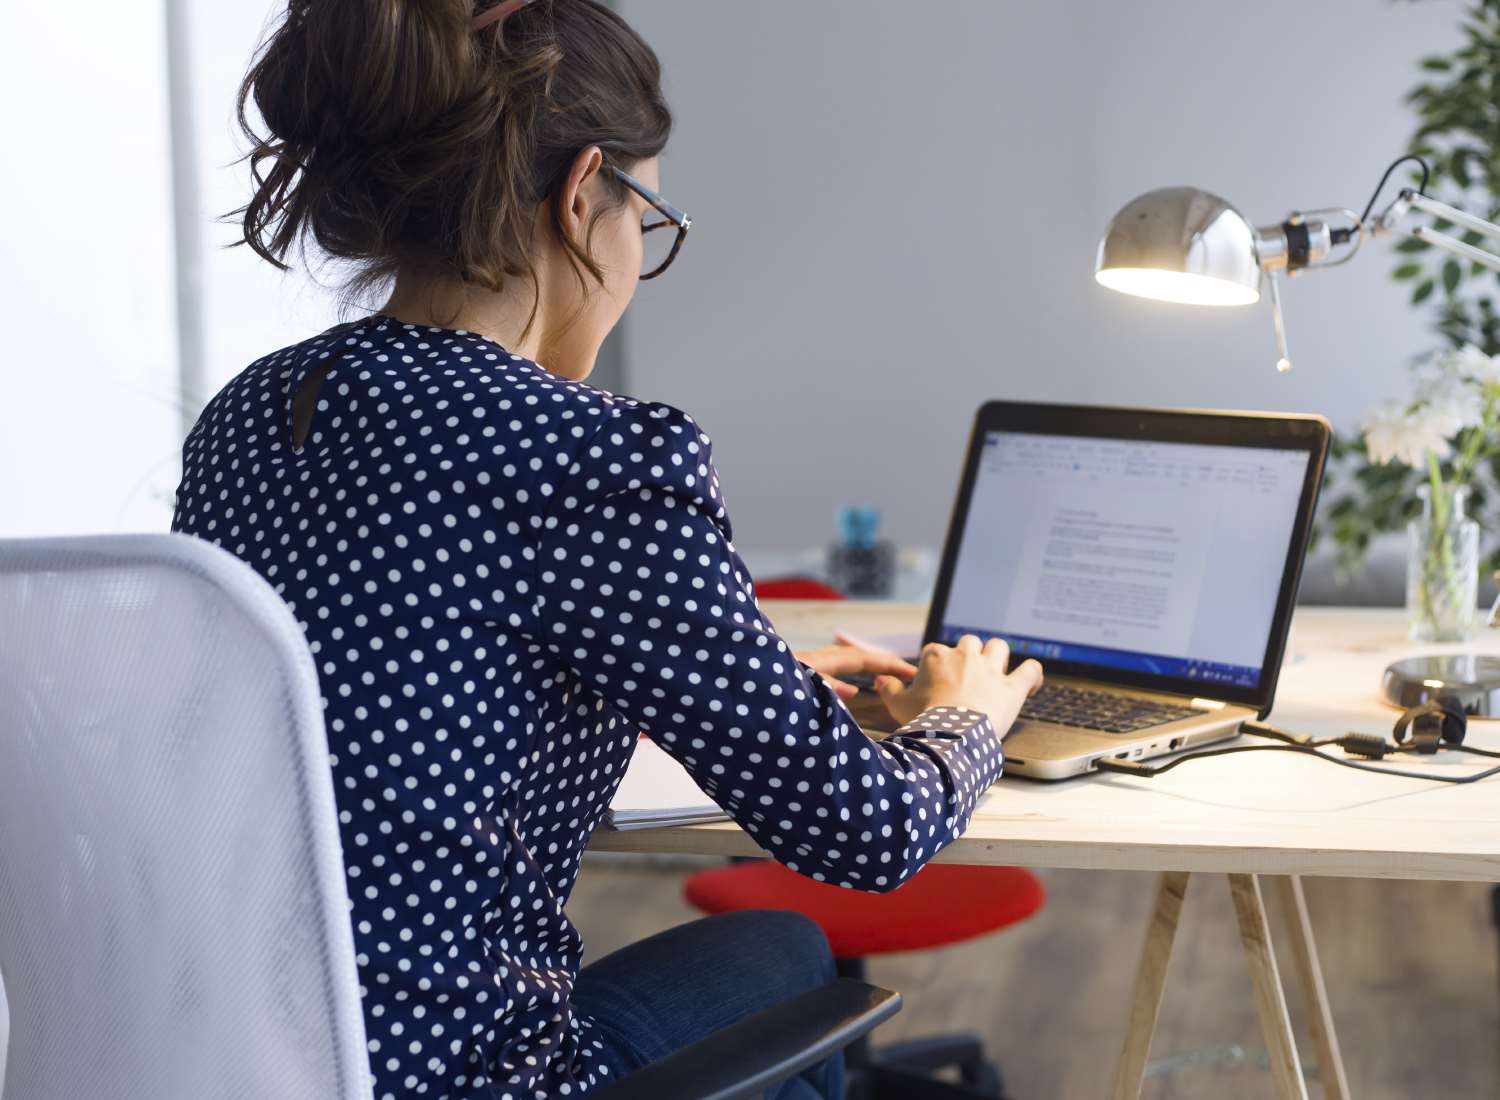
[659,254]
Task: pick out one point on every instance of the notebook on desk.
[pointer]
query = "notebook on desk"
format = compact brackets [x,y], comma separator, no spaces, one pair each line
[656,791]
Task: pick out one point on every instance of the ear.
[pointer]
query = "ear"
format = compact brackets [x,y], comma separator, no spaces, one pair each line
[573,203]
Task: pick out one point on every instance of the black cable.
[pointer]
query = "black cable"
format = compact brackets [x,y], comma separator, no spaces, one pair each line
[1275,733]
[1476,752]
[1379,187]
[1294,743]
[1260,729]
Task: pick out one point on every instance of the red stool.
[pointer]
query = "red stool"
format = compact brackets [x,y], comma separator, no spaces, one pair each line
[942,903]
[796,588]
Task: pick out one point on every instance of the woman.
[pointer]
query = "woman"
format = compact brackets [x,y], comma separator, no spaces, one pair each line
[506,575]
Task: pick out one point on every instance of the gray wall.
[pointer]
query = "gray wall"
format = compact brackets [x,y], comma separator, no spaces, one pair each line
[897,207]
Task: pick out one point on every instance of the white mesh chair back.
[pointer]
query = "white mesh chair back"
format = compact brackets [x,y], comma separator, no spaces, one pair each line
[173,918]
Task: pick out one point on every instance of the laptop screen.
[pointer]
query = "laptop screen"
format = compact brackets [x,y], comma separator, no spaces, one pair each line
[1135,556]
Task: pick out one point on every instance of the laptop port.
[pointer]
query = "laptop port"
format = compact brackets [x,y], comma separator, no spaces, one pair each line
[1174,744]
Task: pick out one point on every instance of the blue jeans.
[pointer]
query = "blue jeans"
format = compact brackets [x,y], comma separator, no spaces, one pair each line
[659,995]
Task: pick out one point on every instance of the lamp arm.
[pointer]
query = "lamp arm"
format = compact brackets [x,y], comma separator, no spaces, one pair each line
[1390,222]
[1453,245]
[1452,214]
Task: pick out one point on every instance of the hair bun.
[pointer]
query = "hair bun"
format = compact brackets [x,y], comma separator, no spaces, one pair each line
[397,137]
[364,71]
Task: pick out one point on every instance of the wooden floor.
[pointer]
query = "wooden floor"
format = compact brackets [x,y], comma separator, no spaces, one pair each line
[1411,970]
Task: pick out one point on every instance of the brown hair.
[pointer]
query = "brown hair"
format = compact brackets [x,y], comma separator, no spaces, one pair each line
[400,139]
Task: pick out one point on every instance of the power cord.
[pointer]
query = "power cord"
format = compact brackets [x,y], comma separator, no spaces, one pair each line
[1358,744]
[1379,187]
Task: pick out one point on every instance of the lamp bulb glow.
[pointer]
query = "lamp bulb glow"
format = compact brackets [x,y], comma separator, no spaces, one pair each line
[1185,287]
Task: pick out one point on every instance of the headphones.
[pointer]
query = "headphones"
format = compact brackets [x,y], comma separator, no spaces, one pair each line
[1431,725]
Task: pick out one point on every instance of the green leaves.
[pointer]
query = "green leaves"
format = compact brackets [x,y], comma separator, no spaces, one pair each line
[1456,101]
[1371,501]
[1458,165]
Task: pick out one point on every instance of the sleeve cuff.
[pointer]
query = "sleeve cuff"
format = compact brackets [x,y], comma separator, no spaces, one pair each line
[955,721]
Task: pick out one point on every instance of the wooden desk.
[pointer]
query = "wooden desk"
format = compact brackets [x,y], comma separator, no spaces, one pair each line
[1275,814]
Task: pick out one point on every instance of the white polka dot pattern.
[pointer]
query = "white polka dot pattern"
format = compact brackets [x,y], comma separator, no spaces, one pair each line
[503,576]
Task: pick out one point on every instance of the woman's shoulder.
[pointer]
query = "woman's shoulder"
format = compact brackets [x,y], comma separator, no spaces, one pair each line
[659,423]
[641,449]
[645,432]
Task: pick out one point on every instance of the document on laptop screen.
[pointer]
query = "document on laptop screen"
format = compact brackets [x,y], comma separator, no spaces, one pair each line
[1165,558]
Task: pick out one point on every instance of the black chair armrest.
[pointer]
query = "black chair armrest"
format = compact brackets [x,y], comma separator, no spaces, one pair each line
[741,1061]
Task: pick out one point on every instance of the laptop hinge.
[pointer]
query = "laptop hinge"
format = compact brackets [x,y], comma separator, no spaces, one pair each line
[1208,704]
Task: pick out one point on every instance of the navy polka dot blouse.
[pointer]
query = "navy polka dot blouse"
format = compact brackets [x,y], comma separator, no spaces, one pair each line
[504,578]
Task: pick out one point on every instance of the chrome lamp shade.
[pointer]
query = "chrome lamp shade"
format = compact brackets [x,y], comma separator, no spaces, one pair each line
[1181,244]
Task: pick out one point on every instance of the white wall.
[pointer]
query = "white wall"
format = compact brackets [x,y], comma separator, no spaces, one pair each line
[90,433]
[250,309]
[896,209]
[88,418]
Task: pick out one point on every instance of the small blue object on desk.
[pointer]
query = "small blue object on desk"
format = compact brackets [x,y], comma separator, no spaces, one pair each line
[859,564]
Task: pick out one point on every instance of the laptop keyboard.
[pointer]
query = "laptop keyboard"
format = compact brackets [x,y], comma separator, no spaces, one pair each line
[1082,708]
[1100,710]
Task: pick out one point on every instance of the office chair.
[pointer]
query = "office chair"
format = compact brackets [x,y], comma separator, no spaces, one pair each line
[940,904]
[173,915]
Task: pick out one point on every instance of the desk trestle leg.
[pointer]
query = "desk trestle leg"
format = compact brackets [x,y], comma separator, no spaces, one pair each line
[1270,999]
[1150,980]
[1315,993]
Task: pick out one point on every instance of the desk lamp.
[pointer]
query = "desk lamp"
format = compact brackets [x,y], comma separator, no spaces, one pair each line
[1183,244]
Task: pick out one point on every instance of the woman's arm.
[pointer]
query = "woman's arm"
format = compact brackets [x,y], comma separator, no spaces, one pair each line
[641,593]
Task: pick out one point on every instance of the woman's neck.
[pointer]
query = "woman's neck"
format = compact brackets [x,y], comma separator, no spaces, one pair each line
[506,318]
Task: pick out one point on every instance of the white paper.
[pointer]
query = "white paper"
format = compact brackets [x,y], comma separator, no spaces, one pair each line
[657,790]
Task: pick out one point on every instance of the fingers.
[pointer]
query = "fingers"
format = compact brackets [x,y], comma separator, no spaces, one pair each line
[837,660]
[888,687]
[841,689]
[996,649]
[840,638]
[887,663]
[1029,675]
[969,643]
[843,660]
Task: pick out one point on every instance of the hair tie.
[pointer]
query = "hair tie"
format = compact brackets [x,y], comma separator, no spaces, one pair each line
[497,13]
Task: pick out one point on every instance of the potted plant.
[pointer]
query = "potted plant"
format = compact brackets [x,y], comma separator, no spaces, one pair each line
[1427,464]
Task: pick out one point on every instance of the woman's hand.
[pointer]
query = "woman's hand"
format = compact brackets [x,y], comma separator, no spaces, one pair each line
[967,675]
[833,661]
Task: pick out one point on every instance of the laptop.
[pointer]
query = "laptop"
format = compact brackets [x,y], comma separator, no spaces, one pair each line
[1149,558]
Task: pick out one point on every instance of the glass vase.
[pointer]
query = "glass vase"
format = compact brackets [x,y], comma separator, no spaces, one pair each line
[1442,567]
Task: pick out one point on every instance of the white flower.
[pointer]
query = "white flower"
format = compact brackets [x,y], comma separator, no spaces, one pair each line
[1450,397]
[1401,434]
[1452,408]
[1476,366]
